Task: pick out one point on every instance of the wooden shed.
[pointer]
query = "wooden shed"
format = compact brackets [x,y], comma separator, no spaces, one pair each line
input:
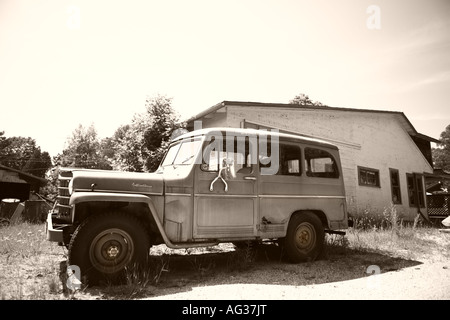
[385,160]
[16,184]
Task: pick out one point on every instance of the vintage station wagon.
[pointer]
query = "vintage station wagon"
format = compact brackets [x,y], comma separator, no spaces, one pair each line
[213,185]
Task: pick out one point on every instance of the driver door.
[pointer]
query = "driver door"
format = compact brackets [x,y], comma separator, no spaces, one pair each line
[225,207]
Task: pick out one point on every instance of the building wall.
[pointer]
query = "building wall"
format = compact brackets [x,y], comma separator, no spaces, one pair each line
[374,140]
[384,145]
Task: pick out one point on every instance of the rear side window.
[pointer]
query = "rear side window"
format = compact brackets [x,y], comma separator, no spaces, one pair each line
[320,163]
[289,160]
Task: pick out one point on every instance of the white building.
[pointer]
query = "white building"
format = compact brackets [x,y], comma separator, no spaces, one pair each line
[384,158]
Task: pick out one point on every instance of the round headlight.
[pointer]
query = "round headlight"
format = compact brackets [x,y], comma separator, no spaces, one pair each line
[70,188]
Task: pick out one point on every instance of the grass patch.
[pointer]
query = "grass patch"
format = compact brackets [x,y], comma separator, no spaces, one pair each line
[28,263]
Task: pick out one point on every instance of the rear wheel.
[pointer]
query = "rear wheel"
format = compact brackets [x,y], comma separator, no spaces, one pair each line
[104,246]
[304,238]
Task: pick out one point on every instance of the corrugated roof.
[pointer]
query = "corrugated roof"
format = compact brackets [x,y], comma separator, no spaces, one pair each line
[42,181]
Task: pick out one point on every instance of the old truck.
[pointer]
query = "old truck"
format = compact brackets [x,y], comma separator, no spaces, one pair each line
[213,186]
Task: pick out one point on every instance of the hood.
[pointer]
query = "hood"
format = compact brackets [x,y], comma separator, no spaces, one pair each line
[116,181]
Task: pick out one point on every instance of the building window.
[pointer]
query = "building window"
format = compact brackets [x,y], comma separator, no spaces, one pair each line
[368,177]
[415,190]
[319,163]
[395,186]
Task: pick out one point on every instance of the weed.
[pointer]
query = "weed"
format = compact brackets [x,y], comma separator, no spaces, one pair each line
[243,257]
[53,285]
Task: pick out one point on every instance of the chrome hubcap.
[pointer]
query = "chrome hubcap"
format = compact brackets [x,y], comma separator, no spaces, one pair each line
[111,250]
[305,237]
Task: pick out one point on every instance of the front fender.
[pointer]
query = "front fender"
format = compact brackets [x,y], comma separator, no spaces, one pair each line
[81,197]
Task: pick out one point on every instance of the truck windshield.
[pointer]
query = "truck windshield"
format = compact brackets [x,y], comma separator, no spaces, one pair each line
[182,153]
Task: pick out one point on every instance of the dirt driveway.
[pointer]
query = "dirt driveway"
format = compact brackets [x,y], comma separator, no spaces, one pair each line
[342,274]
[423,281]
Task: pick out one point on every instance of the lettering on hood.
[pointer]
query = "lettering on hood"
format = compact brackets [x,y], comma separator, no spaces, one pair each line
[140,185]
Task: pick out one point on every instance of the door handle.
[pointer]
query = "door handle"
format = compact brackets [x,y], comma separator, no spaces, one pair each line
[219,176]
[250,178]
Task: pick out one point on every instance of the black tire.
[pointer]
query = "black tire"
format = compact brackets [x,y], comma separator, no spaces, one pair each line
[304,238]
[105,245]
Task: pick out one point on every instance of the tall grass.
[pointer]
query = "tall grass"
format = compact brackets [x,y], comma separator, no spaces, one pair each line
[370,219]
[388,232]
[27,262]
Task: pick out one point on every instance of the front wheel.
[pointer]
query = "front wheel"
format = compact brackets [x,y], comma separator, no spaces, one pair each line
[105,245]
[304,238]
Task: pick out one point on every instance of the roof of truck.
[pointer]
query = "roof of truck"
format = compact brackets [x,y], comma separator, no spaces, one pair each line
[255,132]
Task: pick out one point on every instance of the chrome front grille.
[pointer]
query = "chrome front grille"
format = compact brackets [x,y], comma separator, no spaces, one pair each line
[63,194]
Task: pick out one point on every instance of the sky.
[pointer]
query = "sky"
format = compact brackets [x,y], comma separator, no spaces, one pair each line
[65,63]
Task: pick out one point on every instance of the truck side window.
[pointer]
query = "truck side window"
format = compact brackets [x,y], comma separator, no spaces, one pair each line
[235,148]
[289,159]
[319,163]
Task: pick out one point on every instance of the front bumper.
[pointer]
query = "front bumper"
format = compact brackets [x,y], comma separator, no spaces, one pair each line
[54,230]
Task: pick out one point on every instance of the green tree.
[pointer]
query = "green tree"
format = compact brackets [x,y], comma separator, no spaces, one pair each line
[83,150]
[441,154]
[127,146]
[303,100]
[3,142]
[140,146]
[164,121]
[50,190]
[23,154]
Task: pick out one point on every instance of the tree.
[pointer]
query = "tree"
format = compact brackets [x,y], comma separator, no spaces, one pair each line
[164,121]
[127,145]
[83,150]
[303,100]
[441,154]
[50,190]
[23,154]
[140,146]
[3,141]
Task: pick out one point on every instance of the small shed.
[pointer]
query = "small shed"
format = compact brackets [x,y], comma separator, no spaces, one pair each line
[17,184]
[16,188]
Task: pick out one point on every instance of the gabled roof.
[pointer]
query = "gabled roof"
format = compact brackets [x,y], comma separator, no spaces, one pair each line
[25,176]
[399,115]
